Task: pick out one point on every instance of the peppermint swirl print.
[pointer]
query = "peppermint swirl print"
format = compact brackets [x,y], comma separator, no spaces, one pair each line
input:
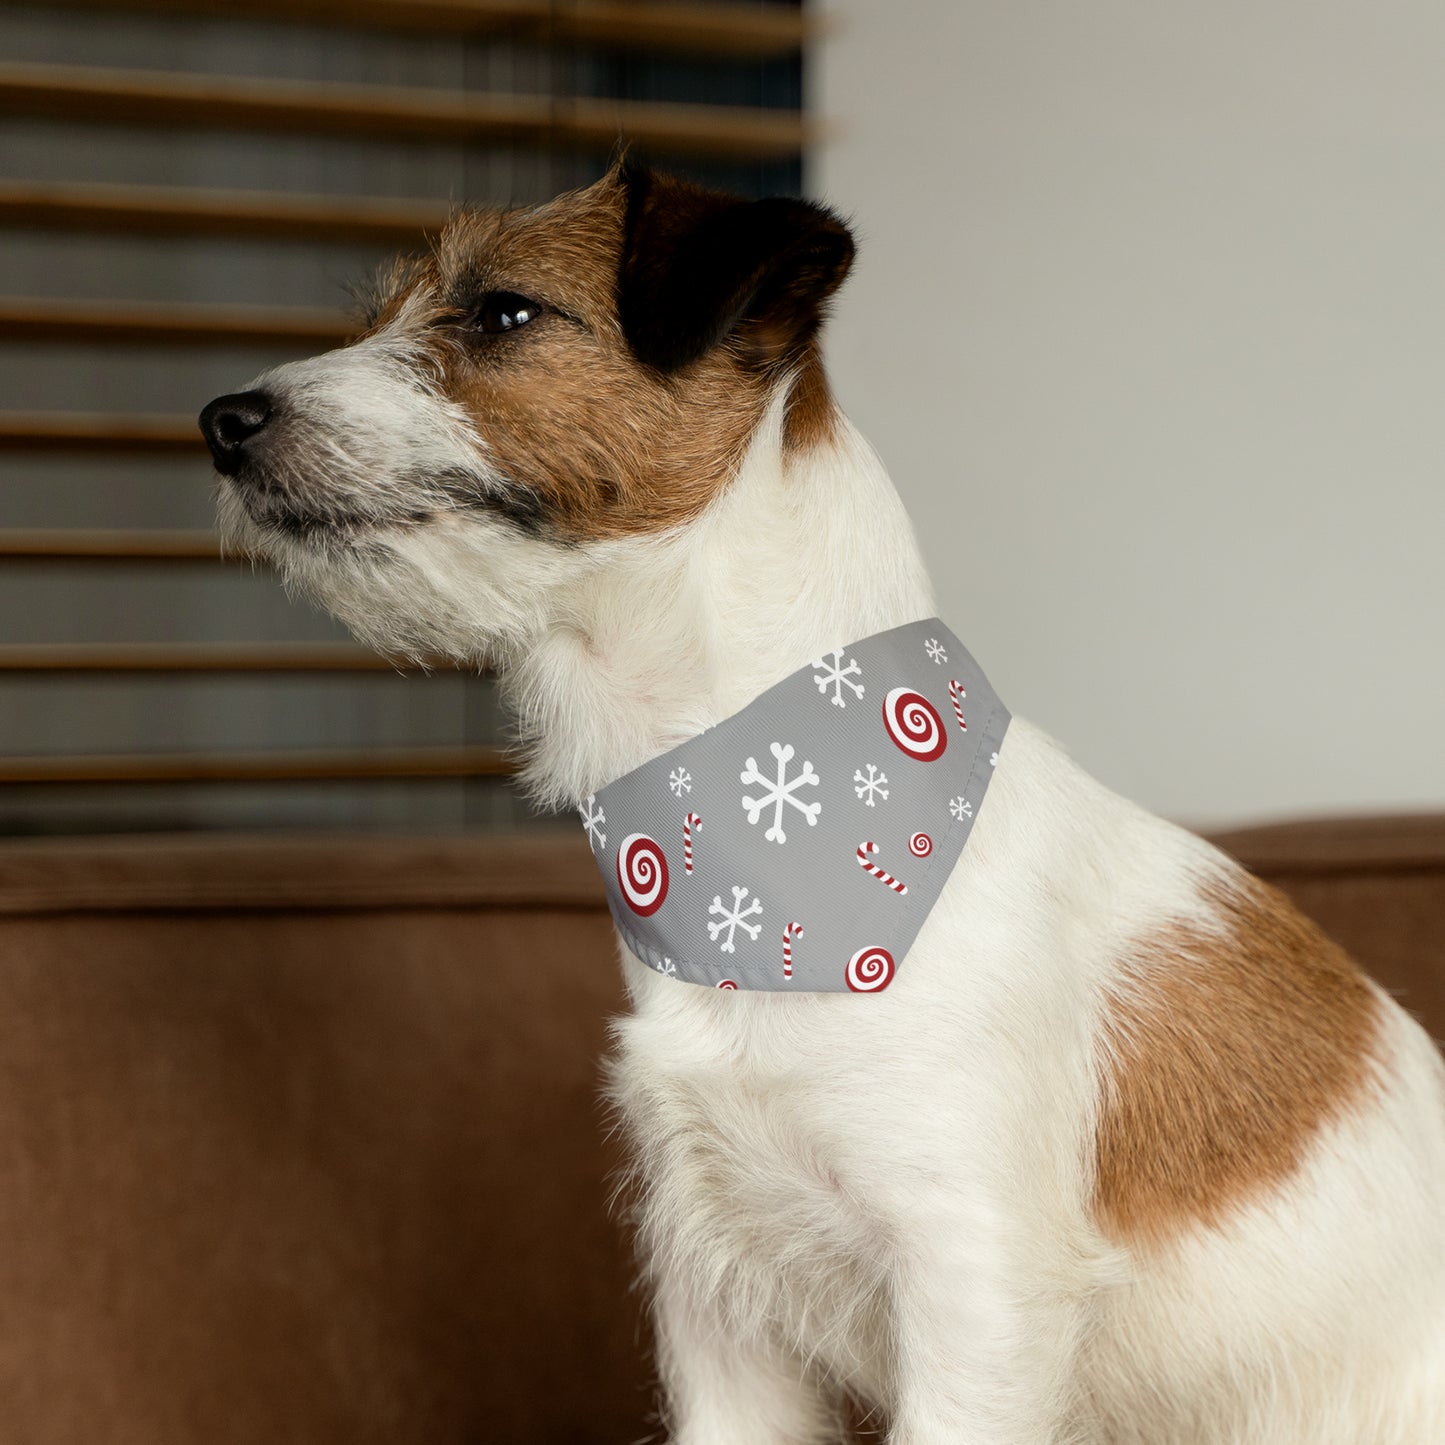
[869,970]
[642,874]
[914,724]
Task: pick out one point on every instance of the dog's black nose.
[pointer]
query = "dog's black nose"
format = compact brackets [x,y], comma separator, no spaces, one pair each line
[229,422]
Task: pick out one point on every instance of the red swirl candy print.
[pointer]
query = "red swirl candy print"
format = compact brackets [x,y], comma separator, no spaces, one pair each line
[920,845]
[642,874]
[914,724]
[869,970]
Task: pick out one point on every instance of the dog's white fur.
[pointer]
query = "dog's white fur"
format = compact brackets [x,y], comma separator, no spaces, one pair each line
[892,1194]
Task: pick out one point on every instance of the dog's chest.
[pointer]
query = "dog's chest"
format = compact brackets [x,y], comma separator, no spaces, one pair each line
[744,1184]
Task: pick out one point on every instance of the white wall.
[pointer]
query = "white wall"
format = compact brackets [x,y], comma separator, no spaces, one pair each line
[1149,324]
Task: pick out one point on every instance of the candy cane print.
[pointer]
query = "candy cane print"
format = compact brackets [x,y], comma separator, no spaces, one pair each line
[689,823]
[955,691]
[792,931]
[864,849]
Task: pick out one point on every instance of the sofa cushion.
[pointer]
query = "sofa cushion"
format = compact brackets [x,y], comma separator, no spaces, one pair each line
[303,1139]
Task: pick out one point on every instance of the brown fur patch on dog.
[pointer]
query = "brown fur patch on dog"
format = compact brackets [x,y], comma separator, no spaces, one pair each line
[812,417]
[594,443]
[1226,1052]
[602,445]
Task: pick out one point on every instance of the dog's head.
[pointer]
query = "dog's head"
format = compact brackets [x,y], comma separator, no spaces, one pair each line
[547,383]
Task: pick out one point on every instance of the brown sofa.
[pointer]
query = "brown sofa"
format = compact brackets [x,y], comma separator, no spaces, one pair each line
[301,1138]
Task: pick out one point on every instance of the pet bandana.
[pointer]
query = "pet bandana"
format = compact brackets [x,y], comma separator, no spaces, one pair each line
[799,845]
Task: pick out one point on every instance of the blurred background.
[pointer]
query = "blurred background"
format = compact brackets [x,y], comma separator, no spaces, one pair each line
[187,191]
[1146,324]
[1149,324]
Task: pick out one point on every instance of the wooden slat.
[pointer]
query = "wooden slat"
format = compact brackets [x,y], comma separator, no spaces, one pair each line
[712,29]
[76,544]
[258,767]
[171,323]
[202,657]
[219,102]
[82,431]
[178,211]
[743,31]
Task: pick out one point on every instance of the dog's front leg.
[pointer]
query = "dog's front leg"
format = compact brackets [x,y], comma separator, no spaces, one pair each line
[721,1388]
[985,1347]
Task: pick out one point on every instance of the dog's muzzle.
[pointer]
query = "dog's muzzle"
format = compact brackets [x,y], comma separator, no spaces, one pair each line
[230,422]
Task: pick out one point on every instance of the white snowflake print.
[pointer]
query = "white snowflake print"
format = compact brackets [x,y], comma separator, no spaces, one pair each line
[934,648]
[593,819]
[733,919]
[993,761]
[837,676]
[961,808]
[780,791]
[868,786]
[667,968]
[680,781]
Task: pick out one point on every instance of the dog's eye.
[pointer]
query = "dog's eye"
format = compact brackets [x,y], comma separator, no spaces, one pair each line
[504,311]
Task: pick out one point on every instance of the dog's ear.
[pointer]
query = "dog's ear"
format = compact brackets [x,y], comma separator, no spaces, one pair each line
[699,266]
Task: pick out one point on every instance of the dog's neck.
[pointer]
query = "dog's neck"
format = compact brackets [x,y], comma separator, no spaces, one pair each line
[665,637]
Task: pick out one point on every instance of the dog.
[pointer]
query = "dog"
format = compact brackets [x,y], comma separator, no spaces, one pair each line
[1128,1153]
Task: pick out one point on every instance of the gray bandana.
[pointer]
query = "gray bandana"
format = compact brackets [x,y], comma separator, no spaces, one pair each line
[799,845]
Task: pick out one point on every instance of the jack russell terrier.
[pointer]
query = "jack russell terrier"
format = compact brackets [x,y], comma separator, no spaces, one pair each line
[1103,1142]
